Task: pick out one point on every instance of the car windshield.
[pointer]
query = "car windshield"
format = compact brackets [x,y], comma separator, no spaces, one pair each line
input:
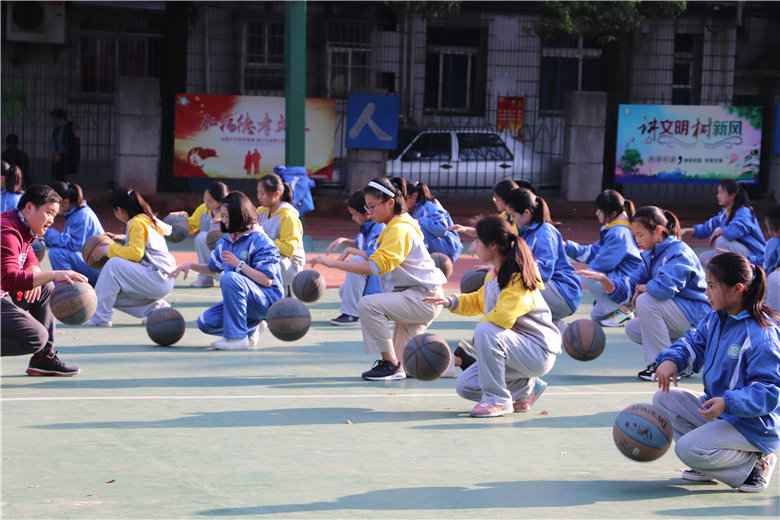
[483,146]
[430,147]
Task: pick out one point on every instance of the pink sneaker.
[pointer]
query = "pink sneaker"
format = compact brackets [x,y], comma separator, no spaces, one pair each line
[484,410]
[524,405]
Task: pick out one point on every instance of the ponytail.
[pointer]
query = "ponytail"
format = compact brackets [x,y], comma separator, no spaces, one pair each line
[132,202]
[495,230]
[70,191]
[741,198]
[612,204]
[272,183]
[650,217]
[12,178]
[401,185]
[522,199]
[423,192]
[731,269]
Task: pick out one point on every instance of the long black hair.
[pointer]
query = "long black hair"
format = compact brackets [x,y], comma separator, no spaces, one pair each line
[503,188]
[70,191]
[496,230]
[522,199]
[272,183]
[612,203]
[399,205]
[651,217]
[401,184]
[741,198]
[731,269]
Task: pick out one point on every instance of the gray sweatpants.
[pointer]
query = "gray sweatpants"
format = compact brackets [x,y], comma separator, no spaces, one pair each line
[406,309]
[726,245]
[558,306]
[714,448]
[130,287]
[773,290]
[202,249]
[352,290]
[603,305]
[657,324]
[506,368]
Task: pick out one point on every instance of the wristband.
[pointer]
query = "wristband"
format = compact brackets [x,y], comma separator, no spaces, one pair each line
[240,266]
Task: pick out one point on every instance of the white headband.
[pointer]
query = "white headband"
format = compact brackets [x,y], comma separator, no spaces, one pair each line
[383,189]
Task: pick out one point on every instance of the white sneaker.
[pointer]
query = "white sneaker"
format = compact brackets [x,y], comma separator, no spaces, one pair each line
[617,319]
[203,282]
[254,338]
[92,322]
[691,475]
[231,344]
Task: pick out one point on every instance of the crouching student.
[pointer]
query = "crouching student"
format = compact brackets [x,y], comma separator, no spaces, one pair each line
[670,296]
[410,276]
[282,223]
[772,258]
[614,255]
[517,342]
[435,221]
[205,218]
[81,223]
[731,432]
[251,278]
[356,286]
[135,278]
[562,288]
[735,228]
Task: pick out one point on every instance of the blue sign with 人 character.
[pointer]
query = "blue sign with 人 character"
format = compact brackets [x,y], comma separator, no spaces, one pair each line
[372,121]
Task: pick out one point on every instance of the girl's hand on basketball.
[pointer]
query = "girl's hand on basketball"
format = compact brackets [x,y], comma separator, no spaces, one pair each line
[666,373]
[230,259]
[183,268]
[435,300]
[712,408]
[69,277]
[33,295]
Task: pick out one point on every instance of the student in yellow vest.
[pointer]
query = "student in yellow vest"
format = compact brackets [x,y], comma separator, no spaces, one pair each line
[282,223]
[410,276]
[205,218]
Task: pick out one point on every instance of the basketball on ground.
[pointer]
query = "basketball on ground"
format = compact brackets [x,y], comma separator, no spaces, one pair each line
[642,432]
[165,326]
[426,357]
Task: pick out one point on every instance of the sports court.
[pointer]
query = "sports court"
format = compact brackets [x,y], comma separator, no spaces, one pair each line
[290,430]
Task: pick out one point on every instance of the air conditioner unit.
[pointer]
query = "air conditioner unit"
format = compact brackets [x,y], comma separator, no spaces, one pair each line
[35,22]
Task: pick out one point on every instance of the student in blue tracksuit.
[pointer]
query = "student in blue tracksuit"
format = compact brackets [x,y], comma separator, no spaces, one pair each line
[363,246]
[730,432]
[670,297]
[772,257]
[434,220]
[562,289]
[614,255]
[735,228]
[81,223]
[251,277]
[12,187]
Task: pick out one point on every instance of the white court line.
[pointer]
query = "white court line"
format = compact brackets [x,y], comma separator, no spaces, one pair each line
[281,397]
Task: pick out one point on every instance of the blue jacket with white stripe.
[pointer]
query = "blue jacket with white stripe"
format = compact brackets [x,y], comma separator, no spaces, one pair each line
[671,270]
[743,228]
[80,224]
[549,252]
[367,240]
[259,252]
[740,362]
[435,222]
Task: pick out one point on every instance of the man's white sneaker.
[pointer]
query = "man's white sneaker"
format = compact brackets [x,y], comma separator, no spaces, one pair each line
[231,344]
[254,338]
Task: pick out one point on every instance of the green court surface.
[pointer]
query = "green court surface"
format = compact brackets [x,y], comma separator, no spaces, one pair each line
[290,430]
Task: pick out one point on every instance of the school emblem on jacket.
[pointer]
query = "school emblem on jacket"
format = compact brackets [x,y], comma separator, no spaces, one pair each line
[733,351]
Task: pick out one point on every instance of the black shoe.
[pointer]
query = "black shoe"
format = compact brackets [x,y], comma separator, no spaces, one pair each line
[50,364]
[648,374]
[344,319]
[466,360]
[384,371]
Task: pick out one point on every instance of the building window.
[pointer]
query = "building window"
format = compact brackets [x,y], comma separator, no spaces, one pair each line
[568,64]
[454,71]
[349,70]
[686,72]
[103,58]
[264,56]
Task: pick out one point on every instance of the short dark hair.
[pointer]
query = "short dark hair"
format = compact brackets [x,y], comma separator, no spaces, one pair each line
[38,195]
[357,201]
[273,183]
[242,214]
[218,190]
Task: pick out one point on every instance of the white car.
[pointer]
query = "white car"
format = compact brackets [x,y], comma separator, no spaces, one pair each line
[467,158]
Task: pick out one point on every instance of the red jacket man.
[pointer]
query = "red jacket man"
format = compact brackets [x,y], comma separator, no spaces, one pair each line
[25,290]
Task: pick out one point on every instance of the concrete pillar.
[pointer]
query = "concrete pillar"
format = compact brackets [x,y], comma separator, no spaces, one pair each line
[138,119]
[583,152]
[364,165]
